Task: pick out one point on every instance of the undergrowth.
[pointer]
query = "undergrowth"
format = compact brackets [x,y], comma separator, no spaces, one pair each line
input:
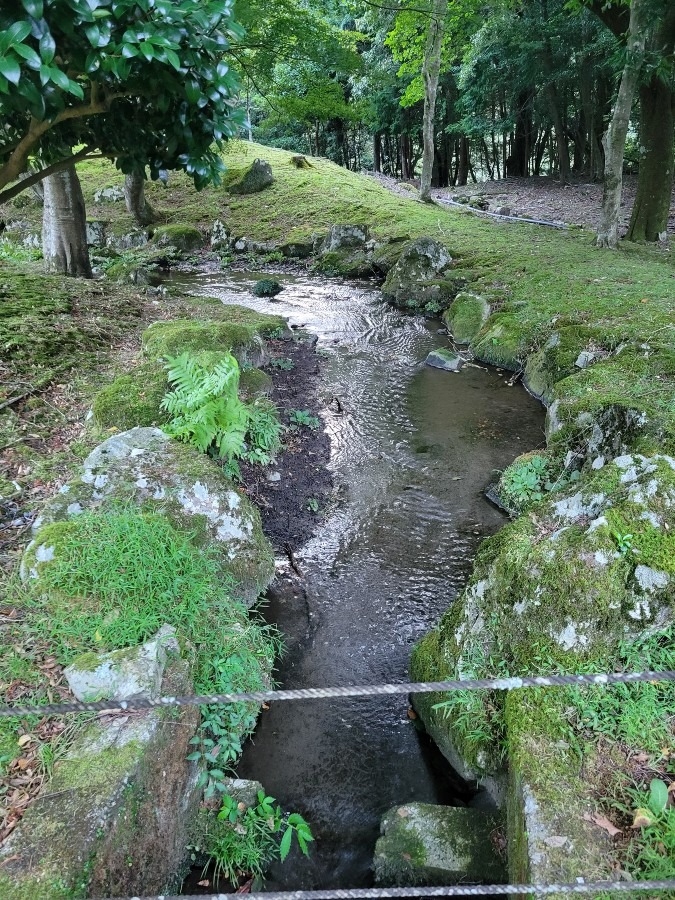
[116,578]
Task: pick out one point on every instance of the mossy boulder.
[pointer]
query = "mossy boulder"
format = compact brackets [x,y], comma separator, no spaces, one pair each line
[183,238]
[144,467]
[133,399]
[114,818]
[255,179]
[466,316]
[428,845]
[505,341]
[551,798]
[386,255]
[255,383]
[345,263]
[126,271]
[560,355]
[416,278]
[166,339]
[267,287]
[617,405]
[593,565]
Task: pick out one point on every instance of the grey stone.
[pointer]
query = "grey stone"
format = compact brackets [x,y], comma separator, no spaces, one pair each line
[219,236]
[242,790]
[256,178]
[345,237]
[145,466]
[96,236]
[132,240]
[503,210]
[109,195]
[587,357]
[117,806]
[651,580]
[445,359]
[414,279]
[430,845]
[128,674]
[274,477]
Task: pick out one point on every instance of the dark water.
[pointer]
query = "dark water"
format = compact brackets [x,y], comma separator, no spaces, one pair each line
[413,449]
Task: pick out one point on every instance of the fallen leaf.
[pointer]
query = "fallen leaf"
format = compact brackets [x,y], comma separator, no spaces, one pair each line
[406,856]
[24,740]
[412,714]
[643,818]
[403,812]
[204,883]
[604,823]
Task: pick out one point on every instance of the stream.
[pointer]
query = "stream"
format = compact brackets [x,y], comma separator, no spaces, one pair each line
[412,450]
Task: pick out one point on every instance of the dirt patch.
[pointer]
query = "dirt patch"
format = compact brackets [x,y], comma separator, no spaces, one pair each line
[576,203]
[292,492]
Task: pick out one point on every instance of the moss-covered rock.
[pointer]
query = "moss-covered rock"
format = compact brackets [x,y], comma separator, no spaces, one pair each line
[551,798]
[593,566]
[255,383]
[145,467]
[504,341]
[560,355]
[417,277]
[617,405]
[255,179]
[114,818]
[267,287]
[133,399]
[166,339]
[430,845]
[184,238]
[127,271]
[348,263]
[466,316]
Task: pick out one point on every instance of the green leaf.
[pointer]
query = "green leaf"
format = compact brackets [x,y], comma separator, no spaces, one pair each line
[34,8]
[47,47]
[93,33]
[285,844]
[658,796]
[27,53]
[17,32]
[10,68]
[59,78]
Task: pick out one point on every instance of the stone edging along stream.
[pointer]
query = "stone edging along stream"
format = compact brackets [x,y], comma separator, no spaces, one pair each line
[552,584]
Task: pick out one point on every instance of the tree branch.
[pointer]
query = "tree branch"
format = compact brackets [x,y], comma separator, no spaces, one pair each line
[24,183]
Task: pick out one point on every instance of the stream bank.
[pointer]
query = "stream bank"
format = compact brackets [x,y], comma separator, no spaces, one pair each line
[412,450]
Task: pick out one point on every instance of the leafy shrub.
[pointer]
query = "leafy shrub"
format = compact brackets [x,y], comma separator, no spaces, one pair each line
[247,839]
[528,480]
[304,417]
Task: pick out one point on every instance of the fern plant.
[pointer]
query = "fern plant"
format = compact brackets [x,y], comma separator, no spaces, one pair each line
[205,405]
[208,413]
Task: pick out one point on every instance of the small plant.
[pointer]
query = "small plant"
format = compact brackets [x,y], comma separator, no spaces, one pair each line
[276,334]
[304,417]
[274,257]
[205,405]
[18,253]
[248,839]
[651,852]
[208,413]
[313,504]
[267,287]
[624,542]
[526,482]
[282,362]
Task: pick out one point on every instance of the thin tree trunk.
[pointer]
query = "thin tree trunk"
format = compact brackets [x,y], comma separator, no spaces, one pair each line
[614,140]
[463,162]
[134,197]
[64,225]
[430,73]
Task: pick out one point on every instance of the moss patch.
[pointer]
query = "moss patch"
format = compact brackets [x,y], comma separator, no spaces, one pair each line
[133,399]
[466,316]
[185,238]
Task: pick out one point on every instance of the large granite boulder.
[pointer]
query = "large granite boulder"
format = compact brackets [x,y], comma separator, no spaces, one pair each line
[416,279]
[430,845]
[145,466]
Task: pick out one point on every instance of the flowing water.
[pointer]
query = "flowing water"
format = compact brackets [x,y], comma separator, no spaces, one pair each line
[412,450]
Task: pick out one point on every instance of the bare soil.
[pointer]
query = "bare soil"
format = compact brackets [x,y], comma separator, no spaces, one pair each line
[576,203]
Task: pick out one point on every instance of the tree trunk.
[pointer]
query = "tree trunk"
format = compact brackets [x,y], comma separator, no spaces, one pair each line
[649,220]
[134,197]
[377,151]
[614,140]
[430,74]
[463,163]
[64,226]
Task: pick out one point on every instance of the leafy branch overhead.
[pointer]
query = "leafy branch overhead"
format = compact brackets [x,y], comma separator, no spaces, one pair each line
[143,81]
